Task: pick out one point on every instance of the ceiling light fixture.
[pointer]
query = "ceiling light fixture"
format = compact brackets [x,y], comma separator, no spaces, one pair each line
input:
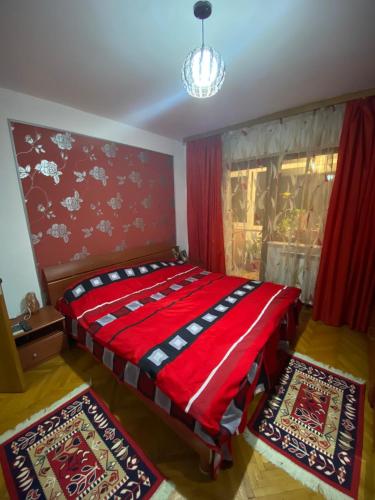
[203,70]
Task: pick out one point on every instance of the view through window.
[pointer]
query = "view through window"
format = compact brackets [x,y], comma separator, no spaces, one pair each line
[279,203]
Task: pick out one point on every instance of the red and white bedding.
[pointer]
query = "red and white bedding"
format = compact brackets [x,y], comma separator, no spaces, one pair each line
[201,338]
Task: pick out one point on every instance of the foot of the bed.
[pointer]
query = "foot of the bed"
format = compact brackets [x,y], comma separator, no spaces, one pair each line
[205,463]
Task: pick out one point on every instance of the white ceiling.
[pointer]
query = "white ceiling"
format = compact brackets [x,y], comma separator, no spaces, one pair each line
[122,58]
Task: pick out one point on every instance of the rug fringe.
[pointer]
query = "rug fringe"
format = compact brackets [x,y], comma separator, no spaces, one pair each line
[165,489]
[26,423]
[295,471]
[337,371]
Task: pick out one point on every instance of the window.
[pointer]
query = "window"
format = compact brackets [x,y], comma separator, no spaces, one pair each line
[278,202]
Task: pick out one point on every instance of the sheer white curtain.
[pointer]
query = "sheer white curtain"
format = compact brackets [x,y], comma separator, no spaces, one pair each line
[277,183]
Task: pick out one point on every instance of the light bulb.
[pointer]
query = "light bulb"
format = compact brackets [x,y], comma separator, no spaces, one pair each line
[204,68]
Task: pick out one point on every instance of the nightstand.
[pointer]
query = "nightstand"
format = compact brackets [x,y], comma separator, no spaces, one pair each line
[46,339]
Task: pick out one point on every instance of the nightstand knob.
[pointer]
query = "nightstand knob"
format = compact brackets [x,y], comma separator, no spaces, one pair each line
[35,355]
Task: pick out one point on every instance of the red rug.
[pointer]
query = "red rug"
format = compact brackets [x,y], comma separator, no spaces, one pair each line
[312,427]
[77,450]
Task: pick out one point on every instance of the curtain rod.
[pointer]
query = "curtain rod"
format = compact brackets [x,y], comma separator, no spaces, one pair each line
[287,112]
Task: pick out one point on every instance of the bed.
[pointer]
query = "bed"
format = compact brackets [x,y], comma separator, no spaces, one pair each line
[194,345]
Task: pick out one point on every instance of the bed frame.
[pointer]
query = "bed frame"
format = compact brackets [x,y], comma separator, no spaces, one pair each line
[57,278]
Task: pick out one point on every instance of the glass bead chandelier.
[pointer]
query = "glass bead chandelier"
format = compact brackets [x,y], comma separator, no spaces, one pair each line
[203,70]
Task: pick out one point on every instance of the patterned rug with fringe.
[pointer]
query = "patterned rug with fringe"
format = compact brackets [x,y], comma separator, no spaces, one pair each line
[77,449]
[312,427]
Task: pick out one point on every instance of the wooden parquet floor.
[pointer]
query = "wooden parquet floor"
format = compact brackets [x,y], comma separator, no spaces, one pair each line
[251,477]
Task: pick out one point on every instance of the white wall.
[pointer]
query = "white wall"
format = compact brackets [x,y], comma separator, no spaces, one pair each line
[17,267]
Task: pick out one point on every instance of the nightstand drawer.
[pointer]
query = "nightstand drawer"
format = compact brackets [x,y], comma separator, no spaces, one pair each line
[41,349]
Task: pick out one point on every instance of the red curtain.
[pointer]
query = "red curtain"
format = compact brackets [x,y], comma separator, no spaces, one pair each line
[345,285]
[205,224]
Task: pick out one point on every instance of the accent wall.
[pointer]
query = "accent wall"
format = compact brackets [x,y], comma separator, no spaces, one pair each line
[87,196]
[17,268]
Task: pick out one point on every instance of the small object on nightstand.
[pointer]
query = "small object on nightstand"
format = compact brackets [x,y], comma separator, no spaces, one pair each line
[179,254]
[25,325]
[17,329]
[32,303]
[183,255]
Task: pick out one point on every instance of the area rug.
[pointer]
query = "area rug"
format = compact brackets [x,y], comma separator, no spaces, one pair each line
[77,449]
[312,427]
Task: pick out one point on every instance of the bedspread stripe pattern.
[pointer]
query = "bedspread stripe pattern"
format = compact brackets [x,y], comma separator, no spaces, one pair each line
[167,351]
[114,275]
[153,297]
[233,419]
[203,376]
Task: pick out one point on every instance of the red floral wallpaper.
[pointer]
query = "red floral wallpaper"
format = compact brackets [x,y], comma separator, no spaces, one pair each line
[86,196]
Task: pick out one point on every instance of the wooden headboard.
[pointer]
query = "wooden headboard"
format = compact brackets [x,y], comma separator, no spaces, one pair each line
[57,278]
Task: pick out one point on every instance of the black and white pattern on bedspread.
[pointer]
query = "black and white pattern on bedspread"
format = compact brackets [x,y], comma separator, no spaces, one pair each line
[134,376]
[163,353]
[142,301]
[115,275]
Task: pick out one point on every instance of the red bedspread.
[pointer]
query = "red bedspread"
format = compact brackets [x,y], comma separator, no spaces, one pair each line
[196,333]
